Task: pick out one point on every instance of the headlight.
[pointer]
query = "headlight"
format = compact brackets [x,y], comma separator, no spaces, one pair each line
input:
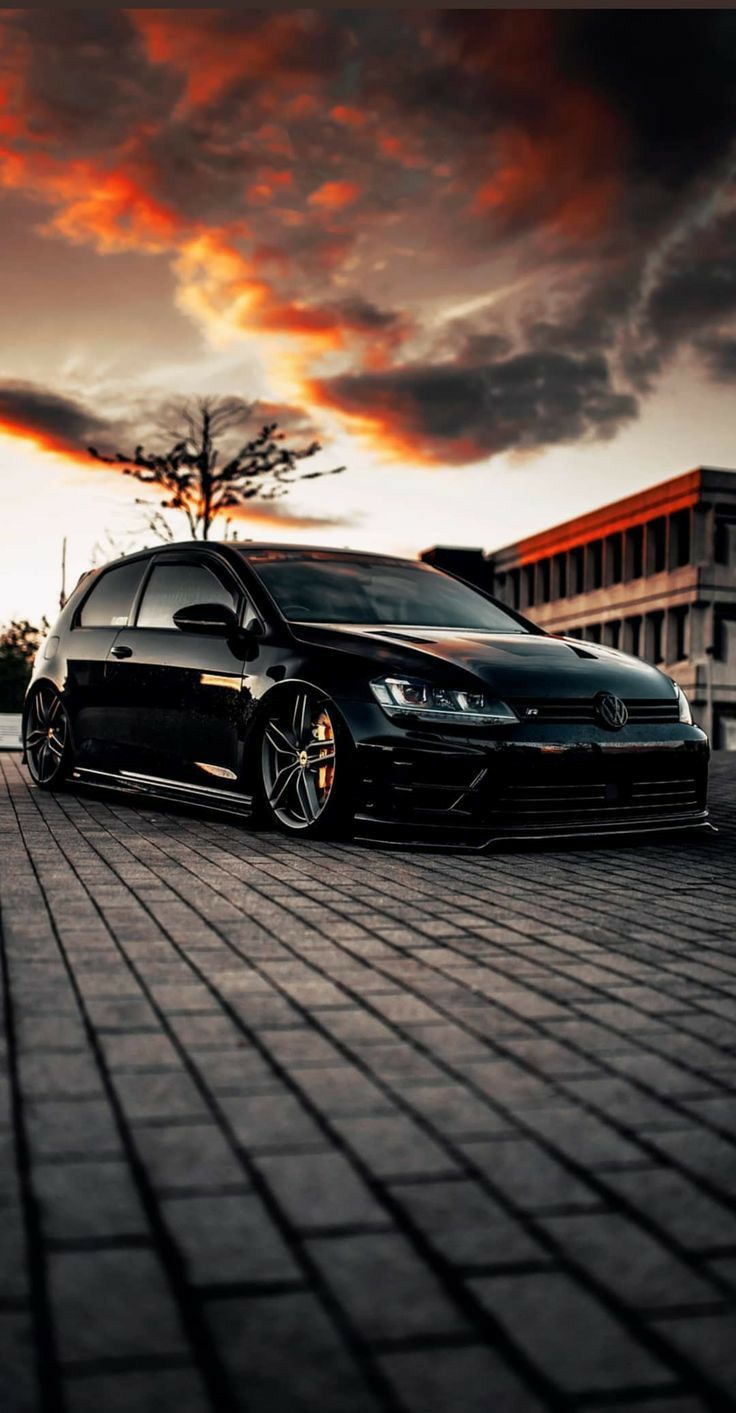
[684,713]
[410,699]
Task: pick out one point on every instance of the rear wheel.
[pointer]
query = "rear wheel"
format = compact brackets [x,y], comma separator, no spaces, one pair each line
[305,766]
[47,738]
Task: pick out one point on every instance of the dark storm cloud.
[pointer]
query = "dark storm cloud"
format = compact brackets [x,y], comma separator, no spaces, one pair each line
[697,285]
[86,79]
[672,78]
[668,87]
[719,356]
[360,313]
[668,79]
[65,424]
[461,412]
[52,420]
[587,320]
[690,304]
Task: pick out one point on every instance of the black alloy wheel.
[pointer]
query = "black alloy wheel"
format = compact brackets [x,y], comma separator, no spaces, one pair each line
[300,788]
[47,738]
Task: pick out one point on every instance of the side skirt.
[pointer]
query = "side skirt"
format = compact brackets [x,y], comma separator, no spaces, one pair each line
[129,782]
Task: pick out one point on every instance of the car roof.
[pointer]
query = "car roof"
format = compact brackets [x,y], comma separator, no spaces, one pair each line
[245,547]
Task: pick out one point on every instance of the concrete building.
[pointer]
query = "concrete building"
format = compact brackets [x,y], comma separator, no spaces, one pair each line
[653,574]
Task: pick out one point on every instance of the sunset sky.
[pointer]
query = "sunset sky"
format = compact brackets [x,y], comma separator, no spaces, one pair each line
[487,257]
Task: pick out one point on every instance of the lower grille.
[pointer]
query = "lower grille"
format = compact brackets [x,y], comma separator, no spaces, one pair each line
[582,711]
[547,794]
[622,800]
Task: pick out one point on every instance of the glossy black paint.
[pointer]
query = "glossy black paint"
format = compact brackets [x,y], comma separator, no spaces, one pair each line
[178,711]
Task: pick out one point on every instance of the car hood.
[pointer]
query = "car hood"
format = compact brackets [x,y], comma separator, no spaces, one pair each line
[510,664]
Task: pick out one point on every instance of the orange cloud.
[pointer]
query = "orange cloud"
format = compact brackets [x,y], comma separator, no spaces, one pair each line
[218,285]
[305,105]
[334,196]
[222,288]
[565,174]
[49,421]
[56,445]
[268,517]
[115,213]
[212,50]
[274,139]
[350,117]
[109,208]
[399,150]
[386,428]
[269,182]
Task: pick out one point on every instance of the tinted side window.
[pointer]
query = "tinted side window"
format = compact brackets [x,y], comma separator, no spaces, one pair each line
[174,586]
[111,600]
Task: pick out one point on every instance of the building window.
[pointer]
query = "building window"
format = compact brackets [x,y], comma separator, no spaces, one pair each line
[636,551]
[612,633]
[725,639]
[725,539]
[544,584]
[655,622]
[680,539]
[593,632]
[613,559]
[528,585]
[514,577]
[500,587]
[679,627]
[595,551]
[577,570]
[632,635]
[560,589]
[657,545]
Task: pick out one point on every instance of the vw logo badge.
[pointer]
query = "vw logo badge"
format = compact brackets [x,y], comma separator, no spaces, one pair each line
[611,711]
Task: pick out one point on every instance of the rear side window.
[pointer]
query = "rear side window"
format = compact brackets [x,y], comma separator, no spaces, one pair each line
[111,600]
[175,586]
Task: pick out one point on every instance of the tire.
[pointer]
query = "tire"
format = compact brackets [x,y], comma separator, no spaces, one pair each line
[47,738]
[304,769]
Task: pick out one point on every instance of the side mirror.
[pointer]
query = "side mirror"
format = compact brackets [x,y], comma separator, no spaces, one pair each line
[217,619]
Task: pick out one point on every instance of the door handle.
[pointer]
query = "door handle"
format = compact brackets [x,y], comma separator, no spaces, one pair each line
[121,651]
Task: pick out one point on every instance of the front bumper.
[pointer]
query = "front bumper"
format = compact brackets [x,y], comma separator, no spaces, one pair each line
[527,782]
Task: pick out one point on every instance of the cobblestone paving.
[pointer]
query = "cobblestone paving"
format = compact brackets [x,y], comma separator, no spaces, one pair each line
[294,1128]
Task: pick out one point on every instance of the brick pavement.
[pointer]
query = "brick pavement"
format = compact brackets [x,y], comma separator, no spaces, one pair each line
[297,1128]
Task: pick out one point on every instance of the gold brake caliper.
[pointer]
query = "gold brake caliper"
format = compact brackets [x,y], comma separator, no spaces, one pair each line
[322,731]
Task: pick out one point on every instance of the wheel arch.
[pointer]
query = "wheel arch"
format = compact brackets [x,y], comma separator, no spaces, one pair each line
[261,708]
[34,688]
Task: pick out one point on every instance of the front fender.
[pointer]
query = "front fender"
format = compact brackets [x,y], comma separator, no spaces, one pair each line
[262,703]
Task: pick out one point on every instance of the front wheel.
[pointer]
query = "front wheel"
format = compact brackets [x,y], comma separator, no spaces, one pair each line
[47,740]
[305,766]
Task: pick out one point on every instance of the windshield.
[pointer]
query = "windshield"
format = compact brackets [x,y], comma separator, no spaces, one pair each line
[320,587]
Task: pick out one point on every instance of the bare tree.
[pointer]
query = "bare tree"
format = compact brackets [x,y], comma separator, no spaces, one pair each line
[198,479]
[113,546]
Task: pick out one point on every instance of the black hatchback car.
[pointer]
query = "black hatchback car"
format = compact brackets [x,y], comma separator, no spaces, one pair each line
[320,690]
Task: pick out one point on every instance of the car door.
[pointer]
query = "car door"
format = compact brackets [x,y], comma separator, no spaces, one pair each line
[179,692]
[92,707]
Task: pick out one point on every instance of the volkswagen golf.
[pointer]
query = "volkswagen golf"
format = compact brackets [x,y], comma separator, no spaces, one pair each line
[324,691]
